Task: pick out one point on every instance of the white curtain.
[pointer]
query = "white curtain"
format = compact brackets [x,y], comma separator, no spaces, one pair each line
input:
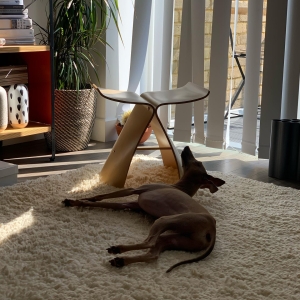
[151,48]
[167,54]
[140,33]
[157,71]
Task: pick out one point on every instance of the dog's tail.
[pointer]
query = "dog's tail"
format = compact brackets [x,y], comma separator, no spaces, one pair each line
[208,250]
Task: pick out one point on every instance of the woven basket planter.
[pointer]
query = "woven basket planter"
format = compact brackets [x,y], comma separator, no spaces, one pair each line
[74,119]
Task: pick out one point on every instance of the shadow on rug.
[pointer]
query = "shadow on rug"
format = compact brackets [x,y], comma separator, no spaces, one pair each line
[51,252]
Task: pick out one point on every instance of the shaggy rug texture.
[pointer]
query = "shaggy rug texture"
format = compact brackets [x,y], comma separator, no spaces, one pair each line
[48,251]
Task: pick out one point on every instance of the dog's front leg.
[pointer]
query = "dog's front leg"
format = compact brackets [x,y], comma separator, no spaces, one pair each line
[117,194]
[134,205]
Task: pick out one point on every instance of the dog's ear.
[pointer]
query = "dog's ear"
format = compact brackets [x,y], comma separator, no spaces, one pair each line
[208,184]
[211,183]
[215,181]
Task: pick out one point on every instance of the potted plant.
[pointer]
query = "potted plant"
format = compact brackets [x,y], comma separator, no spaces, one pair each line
[78,26]
[122,120]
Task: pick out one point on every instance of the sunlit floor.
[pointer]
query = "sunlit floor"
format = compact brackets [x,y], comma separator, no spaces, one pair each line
[33,160]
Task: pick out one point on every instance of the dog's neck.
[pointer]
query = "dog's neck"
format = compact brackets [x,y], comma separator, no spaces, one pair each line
[187,186]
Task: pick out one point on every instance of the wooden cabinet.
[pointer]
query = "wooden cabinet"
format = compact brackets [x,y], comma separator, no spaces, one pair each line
[37,59]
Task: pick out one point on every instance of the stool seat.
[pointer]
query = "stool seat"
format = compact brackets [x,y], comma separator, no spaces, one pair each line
[189,93]
[115,169]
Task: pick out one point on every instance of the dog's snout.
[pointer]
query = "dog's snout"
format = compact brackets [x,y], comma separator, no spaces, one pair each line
[186,152]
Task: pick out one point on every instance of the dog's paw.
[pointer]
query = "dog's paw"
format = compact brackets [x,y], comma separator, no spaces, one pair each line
[117,262]
[113,250]
[69,202]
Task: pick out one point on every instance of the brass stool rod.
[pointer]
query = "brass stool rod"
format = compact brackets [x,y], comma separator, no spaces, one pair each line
[152,148]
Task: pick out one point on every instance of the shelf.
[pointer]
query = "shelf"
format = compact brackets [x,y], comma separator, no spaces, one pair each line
[24,48]
[30,129]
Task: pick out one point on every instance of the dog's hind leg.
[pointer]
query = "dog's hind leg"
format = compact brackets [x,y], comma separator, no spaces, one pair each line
[110,205]
[159,226]
[164,242]
[188,232]
[172,241]
[151,255]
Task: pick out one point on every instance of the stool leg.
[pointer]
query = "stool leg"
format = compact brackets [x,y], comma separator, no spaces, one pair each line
[170,157]
[115,169]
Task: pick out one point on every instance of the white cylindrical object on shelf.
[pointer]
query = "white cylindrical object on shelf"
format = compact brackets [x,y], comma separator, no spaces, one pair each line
[18,102]
[3,109]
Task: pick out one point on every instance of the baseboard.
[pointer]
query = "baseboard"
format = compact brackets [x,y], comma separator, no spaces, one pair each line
[104,130]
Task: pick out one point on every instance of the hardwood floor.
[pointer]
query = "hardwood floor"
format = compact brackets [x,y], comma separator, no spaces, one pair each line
[33,160]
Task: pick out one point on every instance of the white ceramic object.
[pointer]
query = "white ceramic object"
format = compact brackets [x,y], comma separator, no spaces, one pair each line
[3,109]
[18,105]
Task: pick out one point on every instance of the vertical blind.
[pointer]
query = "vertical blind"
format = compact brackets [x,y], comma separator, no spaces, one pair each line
[254,32]
[218,73]
[290,87]
[273,72]
[151,55]
[197,35]
[280,85]
[280,90]
[183,113]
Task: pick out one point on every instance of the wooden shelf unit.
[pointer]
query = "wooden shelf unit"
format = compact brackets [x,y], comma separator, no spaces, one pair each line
[30,129]
[24,48]
[37,59]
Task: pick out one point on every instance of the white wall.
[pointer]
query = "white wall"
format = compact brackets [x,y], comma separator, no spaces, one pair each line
[37,12]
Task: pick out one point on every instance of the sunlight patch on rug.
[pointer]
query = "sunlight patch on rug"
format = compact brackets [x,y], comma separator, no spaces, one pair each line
[16,225]
[51,252]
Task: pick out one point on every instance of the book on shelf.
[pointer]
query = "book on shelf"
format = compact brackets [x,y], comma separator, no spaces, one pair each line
[16,33]
[20,41]
[13,11]
[5,6]
[24,16]
[11,2]
[15,24]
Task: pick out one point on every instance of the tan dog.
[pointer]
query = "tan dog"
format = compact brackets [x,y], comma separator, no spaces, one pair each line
[192,227]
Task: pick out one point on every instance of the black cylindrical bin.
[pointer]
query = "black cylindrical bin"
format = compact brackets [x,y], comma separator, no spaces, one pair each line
[293,144]
[279,148]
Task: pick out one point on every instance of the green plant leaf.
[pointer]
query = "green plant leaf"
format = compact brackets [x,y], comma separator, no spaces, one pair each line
[78,26]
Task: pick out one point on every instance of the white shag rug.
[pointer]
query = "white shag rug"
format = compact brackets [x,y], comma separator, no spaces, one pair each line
[48,251]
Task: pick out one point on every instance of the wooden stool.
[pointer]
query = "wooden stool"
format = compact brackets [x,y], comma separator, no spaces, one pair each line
[115,169]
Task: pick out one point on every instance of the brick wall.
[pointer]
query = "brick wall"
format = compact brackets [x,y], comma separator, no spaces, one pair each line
[241,40]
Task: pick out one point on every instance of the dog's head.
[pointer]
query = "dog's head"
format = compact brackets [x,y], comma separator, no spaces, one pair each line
[195,173]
